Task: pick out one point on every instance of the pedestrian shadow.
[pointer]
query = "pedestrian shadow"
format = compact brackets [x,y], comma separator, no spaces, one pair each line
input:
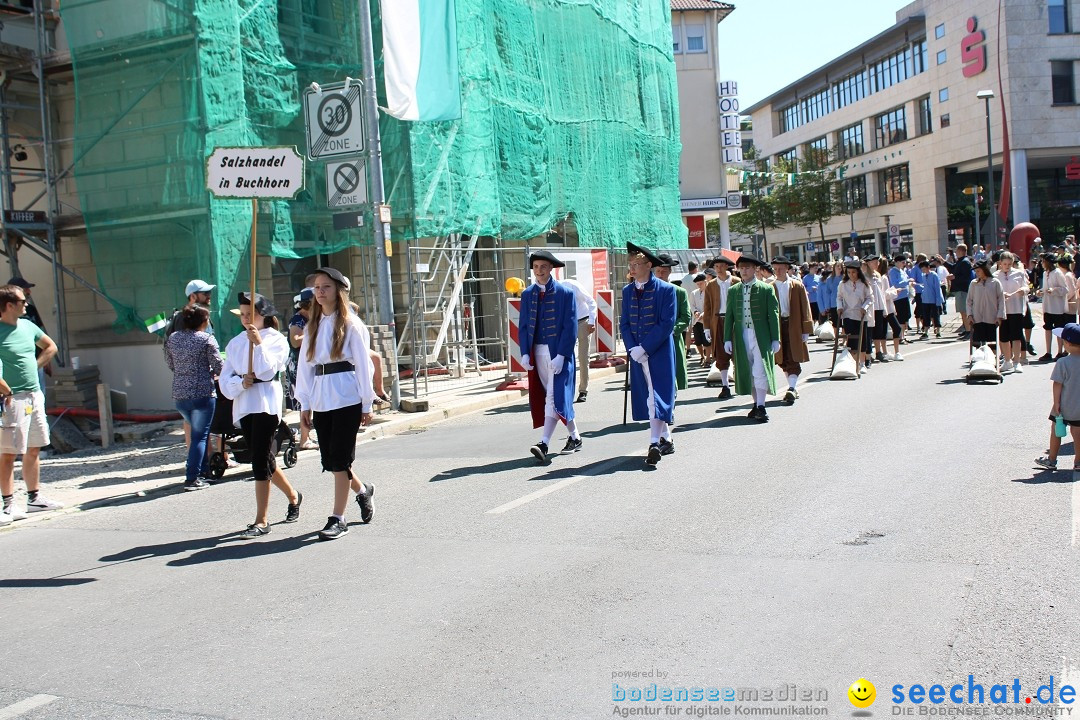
[623,463]
[44,582]
[952,381]
[145,552]
[728,421]
[496,467]
[628,427]
[245,550]
[1043,477]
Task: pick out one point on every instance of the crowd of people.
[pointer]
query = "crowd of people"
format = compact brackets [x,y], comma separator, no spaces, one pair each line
[744,315]
[756,318]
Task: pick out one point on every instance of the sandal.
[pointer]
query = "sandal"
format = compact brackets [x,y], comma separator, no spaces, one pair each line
[309,445]
[254,531]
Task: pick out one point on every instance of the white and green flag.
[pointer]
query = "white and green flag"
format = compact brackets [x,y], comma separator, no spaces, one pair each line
[156,323]
[420,54]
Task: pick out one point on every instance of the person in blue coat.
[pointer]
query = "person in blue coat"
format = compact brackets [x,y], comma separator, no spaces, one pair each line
[547,334]
[647,323]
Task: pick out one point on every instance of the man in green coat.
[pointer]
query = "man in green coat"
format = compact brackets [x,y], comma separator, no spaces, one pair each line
[682,318]
[752,329]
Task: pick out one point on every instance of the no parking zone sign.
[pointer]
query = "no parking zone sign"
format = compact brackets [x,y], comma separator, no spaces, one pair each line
[346,184]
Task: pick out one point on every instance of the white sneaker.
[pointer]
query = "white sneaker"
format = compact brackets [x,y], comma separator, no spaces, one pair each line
[15,511]
[1006,366]
[1018,368]
[5,519]
[43,504]
[898,357]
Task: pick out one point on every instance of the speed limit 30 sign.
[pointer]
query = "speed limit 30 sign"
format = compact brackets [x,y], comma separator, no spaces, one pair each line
[334,121]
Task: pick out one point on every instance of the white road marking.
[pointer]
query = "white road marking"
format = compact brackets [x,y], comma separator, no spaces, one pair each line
[24,706]
[565,482]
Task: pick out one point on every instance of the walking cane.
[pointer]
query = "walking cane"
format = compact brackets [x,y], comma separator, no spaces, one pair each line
[862,331]
[626,388]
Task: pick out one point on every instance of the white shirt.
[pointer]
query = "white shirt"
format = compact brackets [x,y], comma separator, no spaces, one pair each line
[697,300]
[268,360]
[586,306]
[1016,279]
[783,292]
[724,286]
[1055,292]
[329,392]
[877,291]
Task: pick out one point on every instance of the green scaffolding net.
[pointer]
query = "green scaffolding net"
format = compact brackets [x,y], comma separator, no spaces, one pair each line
[569,108]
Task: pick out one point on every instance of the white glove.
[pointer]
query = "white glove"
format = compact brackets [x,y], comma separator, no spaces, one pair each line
[727,346]
[708,335]
[775,347]
[526,362]
[638,354]
[557,364]
[805,337]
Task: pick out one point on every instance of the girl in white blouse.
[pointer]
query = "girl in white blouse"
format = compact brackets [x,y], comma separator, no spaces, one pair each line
[334,389]
[257,399]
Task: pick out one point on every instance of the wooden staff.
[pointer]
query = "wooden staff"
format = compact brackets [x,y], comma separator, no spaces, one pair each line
[254,220]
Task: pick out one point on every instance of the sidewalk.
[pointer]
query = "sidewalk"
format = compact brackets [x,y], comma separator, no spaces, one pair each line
[95,477]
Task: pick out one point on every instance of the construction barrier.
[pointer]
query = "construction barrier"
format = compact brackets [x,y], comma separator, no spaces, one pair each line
[605,328]
[513,351]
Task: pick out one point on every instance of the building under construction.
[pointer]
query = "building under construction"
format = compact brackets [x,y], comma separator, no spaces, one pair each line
[568,135]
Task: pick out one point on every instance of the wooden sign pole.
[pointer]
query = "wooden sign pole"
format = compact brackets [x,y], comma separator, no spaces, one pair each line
[254,224]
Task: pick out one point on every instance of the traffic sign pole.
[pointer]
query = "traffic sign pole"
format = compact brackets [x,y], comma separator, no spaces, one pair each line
[381,219]
[254,235]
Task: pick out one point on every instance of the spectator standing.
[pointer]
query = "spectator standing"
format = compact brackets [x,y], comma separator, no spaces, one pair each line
[24,429]
[193,355]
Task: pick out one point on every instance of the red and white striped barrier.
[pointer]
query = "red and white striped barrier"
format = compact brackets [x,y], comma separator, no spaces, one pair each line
[513,319]
[605,330]
[605,323]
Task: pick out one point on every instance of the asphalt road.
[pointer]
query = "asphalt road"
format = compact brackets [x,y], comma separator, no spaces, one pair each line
[892,528]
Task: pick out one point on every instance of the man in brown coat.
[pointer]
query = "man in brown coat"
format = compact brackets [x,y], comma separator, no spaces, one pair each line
[716,292]
[795,325]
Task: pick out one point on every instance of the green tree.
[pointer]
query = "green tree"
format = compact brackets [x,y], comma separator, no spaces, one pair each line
[763,211]
[817,192]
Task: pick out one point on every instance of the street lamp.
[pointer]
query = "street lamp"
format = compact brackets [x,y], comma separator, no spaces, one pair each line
[987,95]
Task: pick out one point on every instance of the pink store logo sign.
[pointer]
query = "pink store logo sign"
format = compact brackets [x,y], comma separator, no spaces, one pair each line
[973,49]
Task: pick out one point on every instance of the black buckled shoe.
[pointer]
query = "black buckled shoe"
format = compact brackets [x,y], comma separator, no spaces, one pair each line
[791,396]
[725,393]
[762,415]
[572,445]
[582,396]
[666,446]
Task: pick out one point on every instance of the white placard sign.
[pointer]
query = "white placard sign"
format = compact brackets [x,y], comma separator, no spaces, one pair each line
[255,172]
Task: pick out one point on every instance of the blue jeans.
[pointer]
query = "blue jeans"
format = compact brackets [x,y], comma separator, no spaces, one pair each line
[197,412]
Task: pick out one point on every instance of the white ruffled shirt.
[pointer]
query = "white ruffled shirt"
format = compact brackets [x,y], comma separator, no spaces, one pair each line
[337,390]
[268,360]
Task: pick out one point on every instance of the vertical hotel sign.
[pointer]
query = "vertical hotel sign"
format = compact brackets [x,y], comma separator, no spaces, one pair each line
[730,135]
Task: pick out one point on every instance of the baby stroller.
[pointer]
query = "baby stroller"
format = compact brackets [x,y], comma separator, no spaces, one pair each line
[284,441]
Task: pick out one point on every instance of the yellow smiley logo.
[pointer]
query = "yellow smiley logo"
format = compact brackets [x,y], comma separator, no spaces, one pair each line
[862,693]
